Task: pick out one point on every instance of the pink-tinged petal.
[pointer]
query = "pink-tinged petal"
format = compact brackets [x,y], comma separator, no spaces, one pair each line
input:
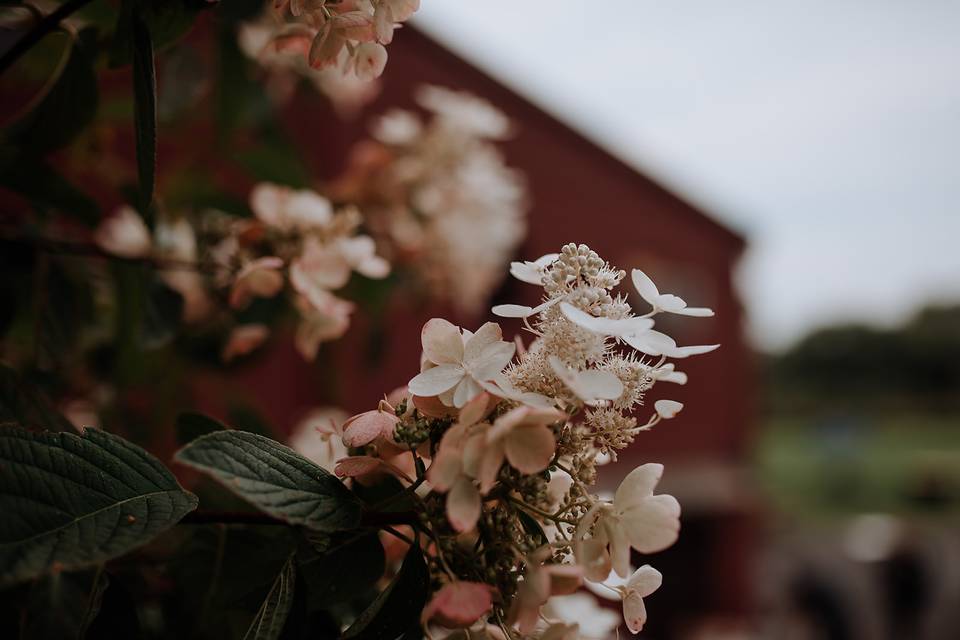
[435,381]
[492,360]
[530,449]
[475,410]
[307,209]
[593,556]
[463,505]
[371,60]
[653,525]
[383,23]
[459,604]
[634,612]
[442,342]
[447,464]
[326,48]
[564,578]
[267,201]
[485,336]
[354,25]
[432,407]
[244,339]
[353,466]
[364,428]
[638,485]
[260,278]
[645,580]
[602,588]
[474,447]
[645,286]
[619,546]
[667,409]
[403,9]
[489,466]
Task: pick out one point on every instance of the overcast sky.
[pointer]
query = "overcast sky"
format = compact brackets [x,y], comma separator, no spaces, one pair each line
[827,132]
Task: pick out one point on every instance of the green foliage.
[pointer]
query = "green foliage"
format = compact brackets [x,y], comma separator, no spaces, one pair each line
[275,479]
[73,501]
[269,621]
[343,571]
[396,611]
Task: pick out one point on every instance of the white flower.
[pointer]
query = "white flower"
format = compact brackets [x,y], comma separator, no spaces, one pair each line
[592,387]
[462,111]
[596,622]
[317,437]
[123,234]
[288,209]
[667,409]
[664,301]
[654,343]
[397,127]
[462,360]
[641,584]
[323,317]
[668,373]
[522,311]
[532,272]
[620,328]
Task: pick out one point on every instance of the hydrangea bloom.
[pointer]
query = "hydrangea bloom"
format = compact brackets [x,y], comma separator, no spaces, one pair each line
[510,440]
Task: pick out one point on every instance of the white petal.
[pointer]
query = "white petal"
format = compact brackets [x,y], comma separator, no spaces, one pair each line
[512,311]
[492,360]
[634,612]
[613,581]
[651,342]
[654,524]
[667,409]
[638,485]
[605,326]
[591,385]
[466,391]
[532,272]
[463,505]
[694,350]
[696,312]
[645,580]
[435,381]
[645,287]
[442,342]
[486,335]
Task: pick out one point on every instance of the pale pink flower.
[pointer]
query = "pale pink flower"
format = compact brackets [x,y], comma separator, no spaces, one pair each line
[457,360]
[244,339]
[370,59]
[323,317]
[458,604]
[664,301]
[465,112]
[632,590]
[260,278]
[318,437]
[667,409]
[364,428]
[397,127]
[123,234]
[176,240]
[522,437]
[540,582]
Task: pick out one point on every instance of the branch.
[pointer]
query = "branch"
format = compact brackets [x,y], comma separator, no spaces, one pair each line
[50,245]
[47,24]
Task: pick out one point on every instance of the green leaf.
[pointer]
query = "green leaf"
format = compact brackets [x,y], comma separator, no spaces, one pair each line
[531,526]
[73,501]
[396,611]
[191,426]
[272,615]
[342,572]
[275,479]
[22,403]
[167,20]
[145,108]
[67,108]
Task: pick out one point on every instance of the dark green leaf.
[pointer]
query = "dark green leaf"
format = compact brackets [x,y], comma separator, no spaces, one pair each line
[275,479]
[167,20]
[145,108]
[532,527]
[44,188]
[191,426]
[23,404]
[343,571]
[68,107]
[72,501]
[396,611]
[272,615]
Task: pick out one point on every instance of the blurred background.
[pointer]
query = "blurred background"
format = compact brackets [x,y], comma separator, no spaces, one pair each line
[794,168]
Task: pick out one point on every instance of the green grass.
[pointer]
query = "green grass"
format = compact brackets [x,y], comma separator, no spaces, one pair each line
[901,465]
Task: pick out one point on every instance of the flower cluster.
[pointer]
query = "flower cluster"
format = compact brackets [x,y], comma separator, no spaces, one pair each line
[438,196]
[297,241]
[499,446]
[346,35]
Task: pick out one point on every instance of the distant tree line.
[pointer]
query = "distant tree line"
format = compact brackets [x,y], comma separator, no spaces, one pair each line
[858,367]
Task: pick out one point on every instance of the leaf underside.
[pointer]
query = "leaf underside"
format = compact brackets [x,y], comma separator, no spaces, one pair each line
[269,621]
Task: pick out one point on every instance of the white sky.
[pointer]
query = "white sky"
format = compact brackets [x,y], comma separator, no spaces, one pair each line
[828,132]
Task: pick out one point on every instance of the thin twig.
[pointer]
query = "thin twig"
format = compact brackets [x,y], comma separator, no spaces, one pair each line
[47,24]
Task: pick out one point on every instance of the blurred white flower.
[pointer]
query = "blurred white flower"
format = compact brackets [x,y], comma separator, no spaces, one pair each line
[123,234]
